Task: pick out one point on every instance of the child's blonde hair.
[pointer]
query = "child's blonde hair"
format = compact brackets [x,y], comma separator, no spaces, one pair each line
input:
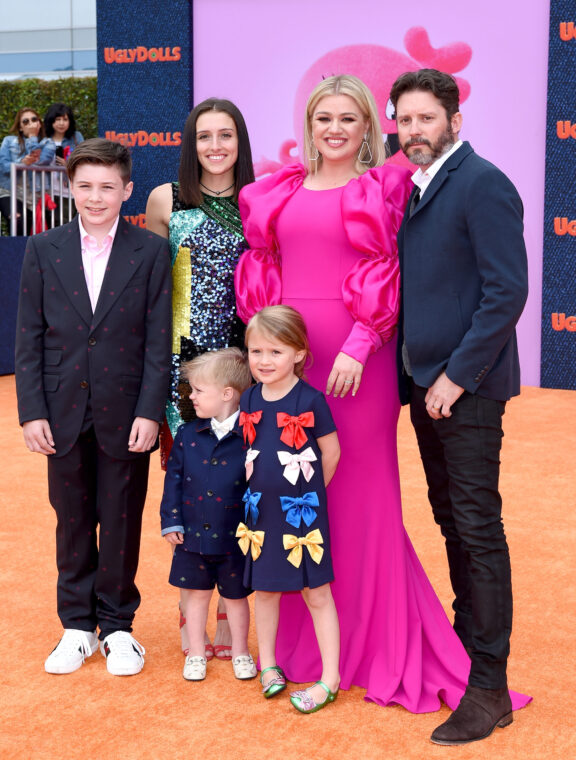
[227,367]
[286,325]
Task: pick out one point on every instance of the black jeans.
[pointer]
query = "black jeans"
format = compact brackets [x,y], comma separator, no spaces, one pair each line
[461,458]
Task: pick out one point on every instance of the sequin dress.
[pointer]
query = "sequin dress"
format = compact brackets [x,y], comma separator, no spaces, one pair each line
[205,244]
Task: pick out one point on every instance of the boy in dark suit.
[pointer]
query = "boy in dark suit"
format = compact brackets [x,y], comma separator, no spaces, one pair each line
[464,285]
[202,506]
[92,376]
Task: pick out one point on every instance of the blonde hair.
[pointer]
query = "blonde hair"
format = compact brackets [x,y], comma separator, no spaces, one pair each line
[287,326]
[346,84]
[227,367]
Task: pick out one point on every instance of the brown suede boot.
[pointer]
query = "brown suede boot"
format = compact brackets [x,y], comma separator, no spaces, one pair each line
[480,711]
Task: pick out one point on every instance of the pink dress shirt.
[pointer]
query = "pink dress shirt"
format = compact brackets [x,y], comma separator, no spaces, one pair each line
[95,260]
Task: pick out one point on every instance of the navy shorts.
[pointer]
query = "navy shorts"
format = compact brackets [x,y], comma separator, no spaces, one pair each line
[201,572]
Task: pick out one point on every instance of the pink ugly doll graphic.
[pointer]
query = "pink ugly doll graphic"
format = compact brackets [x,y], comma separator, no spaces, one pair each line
[378,67]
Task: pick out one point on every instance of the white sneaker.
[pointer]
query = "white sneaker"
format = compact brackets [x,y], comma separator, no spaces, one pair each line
[194,668]
[244,667]
[71,651]
[124,655]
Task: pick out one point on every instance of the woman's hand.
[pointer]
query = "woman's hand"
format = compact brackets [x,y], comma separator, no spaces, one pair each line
[60,161]
[32,157]
[345,376]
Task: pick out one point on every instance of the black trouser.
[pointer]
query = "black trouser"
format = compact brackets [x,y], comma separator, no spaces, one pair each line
[461,458]
[96,569]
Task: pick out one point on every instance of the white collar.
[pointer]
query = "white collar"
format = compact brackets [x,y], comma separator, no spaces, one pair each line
[223,428]
[423,179]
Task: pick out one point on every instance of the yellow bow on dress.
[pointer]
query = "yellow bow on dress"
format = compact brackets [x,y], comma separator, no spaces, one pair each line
[250,539]
[295,544]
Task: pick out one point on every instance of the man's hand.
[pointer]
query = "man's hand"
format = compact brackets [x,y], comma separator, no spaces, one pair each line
[38,436]
[143,435]
[440,397]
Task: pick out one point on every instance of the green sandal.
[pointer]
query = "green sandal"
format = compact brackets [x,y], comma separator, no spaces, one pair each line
[303,702]
[275,685]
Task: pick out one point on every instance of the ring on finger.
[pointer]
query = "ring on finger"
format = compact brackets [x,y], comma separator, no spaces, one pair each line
[348,382]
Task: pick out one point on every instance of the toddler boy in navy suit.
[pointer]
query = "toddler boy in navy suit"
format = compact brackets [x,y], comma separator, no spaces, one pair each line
[92,377]
[201,506]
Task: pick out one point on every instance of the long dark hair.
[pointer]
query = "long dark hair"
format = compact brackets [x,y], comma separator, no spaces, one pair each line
[15,128]
[190,171]
[53,112]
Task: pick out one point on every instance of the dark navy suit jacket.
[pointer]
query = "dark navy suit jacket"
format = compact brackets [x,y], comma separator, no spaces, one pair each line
[464,279]
[203,488]
[117,358]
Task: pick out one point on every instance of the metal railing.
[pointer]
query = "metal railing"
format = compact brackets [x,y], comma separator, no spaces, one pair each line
[41,189]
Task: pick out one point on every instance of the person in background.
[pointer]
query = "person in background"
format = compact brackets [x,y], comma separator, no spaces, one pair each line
[199,216]
[60,127]
[26,144]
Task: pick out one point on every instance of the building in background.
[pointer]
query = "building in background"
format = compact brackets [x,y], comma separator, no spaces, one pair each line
[47,40]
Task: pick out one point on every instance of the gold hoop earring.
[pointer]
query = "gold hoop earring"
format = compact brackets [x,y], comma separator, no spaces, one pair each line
[313,147]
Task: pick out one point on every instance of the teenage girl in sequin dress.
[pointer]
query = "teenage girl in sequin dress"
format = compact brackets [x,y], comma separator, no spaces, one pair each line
[199,216]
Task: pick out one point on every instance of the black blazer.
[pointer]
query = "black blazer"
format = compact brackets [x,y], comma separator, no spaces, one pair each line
[464,279]
[117,357]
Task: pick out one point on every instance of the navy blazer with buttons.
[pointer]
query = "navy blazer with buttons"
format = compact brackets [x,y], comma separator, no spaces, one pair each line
[464,279]
[203,488]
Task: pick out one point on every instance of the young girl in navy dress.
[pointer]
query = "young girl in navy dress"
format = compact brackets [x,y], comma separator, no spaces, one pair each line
[293,455]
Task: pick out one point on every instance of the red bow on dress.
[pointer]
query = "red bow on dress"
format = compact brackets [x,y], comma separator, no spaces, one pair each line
[247,420]
[293,433]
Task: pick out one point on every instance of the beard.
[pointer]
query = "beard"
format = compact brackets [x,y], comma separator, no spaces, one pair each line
[423,157]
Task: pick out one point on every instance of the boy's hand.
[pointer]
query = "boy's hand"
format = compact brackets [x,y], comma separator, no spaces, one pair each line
[174,538]
[38,436]
[143,435]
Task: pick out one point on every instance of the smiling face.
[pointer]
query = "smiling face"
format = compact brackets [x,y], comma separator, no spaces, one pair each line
[338,127]
[216,145]
[99,192]
[424,130]
[271,362]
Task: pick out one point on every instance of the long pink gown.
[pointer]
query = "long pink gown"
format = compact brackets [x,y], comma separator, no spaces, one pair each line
[332,256]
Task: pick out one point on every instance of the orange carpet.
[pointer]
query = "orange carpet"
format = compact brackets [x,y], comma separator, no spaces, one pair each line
[90,714]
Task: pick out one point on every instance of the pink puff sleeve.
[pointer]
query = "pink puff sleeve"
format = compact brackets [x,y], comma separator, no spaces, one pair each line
[258,277]
[372,211]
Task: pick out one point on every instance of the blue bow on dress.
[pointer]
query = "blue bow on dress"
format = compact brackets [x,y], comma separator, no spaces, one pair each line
[300,508]
[251,501]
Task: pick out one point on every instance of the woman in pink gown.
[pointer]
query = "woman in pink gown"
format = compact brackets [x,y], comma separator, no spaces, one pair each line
[323,240]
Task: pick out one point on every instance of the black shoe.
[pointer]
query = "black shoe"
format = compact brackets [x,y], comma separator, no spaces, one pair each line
[480,711]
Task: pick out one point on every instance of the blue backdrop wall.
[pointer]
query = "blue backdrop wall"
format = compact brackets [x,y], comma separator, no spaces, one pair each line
[558,357]
[145,87]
